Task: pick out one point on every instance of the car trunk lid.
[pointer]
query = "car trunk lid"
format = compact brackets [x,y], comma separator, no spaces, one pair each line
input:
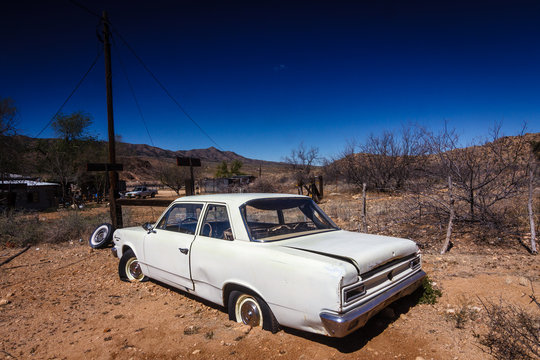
[364,251]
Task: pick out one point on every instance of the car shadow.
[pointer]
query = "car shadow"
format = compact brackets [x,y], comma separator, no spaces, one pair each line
[373,328]
[349,344]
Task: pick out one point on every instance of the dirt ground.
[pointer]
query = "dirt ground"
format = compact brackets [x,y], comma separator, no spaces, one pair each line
[67,302]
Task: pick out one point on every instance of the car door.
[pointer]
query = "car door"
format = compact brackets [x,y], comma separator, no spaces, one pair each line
[214,256]
[167,247]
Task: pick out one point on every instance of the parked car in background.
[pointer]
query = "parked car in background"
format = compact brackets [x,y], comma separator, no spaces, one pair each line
[271,260]
[141,192]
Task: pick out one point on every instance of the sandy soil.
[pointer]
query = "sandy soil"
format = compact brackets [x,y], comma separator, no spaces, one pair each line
[67,302]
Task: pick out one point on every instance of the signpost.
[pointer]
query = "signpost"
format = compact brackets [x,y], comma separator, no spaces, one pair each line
[191,162]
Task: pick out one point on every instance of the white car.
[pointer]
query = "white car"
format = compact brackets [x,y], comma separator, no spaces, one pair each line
[141,192]
[272,260]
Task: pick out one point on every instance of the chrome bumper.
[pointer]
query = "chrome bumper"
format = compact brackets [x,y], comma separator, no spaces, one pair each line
[340,325]
[114,251]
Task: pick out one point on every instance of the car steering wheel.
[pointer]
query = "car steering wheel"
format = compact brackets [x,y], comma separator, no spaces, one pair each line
[188,219]
[209,231]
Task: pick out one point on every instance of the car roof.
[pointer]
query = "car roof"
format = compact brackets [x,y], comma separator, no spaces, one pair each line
[236,199]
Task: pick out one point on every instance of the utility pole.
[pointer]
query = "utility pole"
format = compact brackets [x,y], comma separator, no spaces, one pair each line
[116,209]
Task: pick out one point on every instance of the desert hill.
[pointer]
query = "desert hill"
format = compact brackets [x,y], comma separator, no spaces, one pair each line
[142,162]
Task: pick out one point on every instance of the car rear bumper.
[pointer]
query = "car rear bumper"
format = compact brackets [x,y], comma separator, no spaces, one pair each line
[340,325]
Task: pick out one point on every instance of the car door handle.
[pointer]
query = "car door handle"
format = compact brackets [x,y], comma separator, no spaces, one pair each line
[183,250]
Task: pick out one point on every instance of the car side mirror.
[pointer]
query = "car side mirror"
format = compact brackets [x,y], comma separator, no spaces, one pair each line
[149,227]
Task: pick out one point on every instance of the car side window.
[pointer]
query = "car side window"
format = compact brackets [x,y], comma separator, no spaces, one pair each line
[181,218]
[216,223]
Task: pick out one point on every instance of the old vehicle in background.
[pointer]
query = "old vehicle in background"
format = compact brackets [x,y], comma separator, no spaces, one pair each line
[141,192]
[271,260]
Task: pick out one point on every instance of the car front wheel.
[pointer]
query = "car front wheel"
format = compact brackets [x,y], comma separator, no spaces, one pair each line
[251,310]
[129,268]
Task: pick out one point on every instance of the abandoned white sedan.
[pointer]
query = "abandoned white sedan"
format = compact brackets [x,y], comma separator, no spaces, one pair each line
[271,260]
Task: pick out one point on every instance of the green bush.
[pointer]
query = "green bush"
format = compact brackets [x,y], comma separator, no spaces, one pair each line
[429,294]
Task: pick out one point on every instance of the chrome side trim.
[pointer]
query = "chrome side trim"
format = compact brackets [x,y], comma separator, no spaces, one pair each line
[340,325]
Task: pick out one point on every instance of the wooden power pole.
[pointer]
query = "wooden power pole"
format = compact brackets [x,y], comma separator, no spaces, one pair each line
[116,209]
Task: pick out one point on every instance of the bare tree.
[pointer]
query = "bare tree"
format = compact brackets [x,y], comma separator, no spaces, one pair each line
[352,166]
[8,114]
[386,161]
[65,158]
[9,146]
[450,218]
[534,157]
[174,177]
[482,175]
[301,161]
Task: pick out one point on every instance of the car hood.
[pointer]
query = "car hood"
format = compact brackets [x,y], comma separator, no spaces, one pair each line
[364,251]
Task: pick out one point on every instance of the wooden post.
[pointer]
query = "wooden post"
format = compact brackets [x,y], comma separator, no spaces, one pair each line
[191,162]
[364,208]
[531,211]
[192,182]
[451,219]
[321,186]
[115,209]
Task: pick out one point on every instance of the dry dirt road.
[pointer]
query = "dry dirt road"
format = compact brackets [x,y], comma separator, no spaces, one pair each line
[67,302]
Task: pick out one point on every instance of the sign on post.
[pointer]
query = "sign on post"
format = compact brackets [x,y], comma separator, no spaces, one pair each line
[191,162]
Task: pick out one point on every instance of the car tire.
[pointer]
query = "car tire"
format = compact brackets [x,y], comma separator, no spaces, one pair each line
[101,236]
[249,309]
[129,269]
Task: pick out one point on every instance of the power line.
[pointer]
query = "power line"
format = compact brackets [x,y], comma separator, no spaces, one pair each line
[134,97]
[91,12]
[72,93]
[168,93]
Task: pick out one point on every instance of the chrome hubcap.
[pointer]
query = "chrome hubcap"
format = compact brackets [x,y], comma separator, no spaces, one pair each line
[99,236]
[134,269]
[248,311]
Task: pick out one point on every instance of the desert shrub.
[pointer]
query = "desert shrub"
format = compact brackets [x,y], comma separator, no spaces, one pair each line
[73,225]
[430,294]
[263,185]
[512,332]
[20,229]
[464,313]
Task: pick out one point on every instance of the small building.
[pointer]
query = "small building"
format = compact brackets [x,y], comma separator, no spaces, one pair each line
[233,184]
[17,192]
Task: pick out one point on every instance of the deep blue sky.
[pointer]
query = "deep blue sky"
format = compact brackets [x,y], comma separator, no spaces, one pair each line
[261,76]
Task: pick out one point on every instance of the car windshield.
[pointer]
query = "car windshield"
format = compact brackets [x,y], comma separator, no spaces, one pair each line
[278,219]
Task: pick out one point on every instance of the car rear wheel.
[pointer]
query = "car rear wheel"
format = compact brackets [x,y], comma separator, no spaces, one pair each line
[251,310]
[101,236]
[129,268]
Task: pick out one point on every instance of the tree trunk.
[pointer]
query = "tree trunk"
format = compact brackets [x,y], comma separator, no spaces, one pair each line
[471,201]
[531,211]
[364,208]
[451,219]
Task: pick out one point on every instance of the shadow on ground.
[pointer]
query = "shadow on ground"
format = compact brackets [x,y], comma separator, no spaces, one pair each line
[349,344]
[374,327]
